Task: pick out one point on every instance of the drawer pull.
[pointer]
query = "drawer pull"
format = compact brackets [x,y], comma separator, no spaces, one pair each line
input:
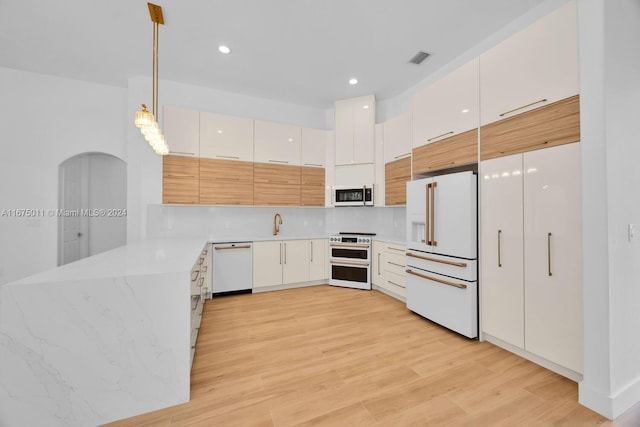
[442,261]
[200,282]
[205,268]
[440,136]
[201,261]
[360,264]
[524,106]
[395,249]
[435,279]
[395,263]
[195,273]
[394,283]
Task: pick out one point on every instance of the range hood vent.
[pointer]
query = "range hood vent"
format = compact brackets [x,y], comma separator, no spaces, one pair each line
[419,57]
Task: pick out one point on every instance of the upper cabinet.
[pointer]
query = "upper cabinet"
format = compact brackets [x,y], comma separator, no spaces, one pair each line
[397,138]
[181,131]
[535,67]
[354,130]
[313,149]
[447,107]
[226,137]
[277,143]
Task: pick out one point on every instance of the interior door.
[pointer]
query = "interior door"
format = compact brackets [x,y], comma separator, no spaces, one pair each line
[501,250]
[73,225]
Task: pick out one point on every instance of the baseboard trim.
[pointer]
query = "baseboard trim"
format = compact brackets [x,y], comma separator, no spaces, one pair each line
[607,405]
[289,286]
[558,369]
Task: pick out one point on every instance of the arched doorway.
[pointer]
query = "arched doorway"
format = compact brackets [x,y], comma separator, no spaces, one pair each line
[92,202]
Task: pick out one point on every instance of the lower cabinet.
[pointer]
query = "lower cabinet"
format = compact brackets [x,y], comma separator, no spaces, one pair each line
[284,262]
[530,254]
[200,290]
[389,268]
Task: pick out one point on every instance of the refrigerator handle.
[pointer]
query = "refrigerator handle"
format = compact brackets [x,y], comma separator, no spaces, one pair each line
[433,214]
[427,212]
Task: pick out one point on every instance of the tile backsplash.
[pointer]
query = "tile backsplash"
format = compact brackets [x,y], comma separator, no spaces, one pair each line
[247,222]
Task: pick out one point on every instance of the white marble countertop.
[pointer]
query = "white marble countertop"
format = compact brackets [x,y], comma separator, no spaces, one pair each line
[147,257]
[390,240]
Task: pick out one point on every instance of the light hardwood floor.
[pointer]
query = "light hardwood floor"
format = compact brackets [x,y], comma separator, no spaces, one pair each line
[327,356]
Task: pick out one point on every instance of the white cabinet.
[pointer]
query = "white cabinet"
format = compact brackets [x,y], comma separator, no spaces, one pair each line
[379,167]
[447,107]
[394,269]
[200,290]
[226,137]
[285,262]
[397,138]
[318,263]
[181,131]
[531,212]
[354,130]
[501,251]
[277,143]
[377,264]
[535,67]
[313,147]
[442,214]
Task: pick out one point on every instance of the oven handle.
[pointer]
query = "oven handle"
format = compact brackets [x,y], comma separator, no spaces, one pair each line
[334,245]
[361,264]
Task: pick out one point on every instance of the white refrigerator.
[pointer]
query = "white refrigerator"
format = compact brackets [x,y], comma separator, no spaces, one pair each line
[442,224]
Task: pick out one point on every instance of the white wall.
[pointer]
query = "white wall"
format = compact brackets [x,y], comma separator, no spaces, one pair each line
[145,168]
[610,91]
[45,120]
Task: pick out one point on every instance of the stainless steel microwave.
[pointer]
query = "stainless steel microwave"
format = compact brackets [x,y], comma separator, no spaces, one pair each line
[353,195]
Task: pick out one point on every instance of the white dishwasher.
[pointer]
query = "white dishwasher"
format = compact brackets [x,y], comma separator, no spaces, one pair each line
[232,267]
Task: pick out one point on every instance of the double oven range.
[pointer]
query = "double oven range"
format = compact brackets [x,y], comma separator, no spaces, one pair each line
[350,260]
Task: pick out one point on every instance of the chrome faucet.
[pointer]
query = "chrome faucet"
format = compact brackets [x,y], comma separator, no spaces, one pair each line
[277,219]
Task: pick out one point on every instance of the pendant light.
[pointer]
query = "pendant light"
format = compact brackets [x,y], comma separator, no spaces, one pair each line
[145,120]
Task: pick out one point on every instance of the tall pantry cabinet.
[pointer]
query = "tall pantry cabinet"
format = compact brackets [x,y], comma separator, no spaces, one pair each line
[531,253]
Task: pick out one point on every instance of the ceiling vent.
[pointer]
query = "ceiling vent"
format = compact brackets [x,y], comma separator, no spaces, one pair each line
[419,57]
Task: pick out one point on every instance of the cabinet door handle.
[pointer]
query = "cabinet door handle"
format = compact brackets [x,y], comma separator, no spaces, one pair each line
[499,257]
[378,263]
[227,157]
[440,136]
[524,106]
[433,214]
[402,155]
[278,161]
[280,253]
[182,152]
[549,253]
[285,253]
[313,164]
[311,250]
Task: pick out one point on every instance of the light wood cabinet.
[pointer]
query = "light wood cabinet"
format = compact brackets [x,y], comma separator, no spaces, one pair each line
[277,143]
[226,137]
[535,67]
[226,182]
[284,262]
[180,179]
[181,131]
[458,150]
[531,211]
[397,174]
[447,107]
[397,138]
[318,250]
[312,189]
[354,130]
[554,124]
[313,147]
[276,185]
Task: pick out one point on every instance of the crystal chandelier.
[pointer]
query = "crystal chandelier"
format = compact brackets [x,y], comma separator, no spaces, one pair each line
[145,120]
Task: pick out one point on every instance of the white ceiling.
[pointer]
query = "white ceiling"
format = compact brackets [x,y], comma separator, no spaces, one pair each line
[297,51]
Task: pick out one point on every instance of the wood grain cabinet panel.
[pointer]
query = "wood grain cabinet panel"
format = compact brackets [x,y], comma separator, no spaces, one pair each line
[276,185]
[180,179]
[397,173]
[458,150]
[226,182]
[555,124]
[312,190]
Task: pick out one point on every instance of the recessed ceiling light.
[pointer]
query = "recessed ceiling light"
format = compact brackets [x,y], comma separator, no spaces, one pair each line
[365,106]
[290,139]
[219,131]
[224,49]
[353,81]
[466,110]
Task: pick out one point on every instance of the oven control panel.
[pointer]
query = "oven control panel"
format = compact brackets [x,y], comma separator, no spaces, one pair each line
[350,239]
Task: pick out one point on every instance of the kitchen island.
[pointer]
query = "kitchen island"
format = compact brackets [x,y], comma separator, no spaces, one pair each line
[100,339]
